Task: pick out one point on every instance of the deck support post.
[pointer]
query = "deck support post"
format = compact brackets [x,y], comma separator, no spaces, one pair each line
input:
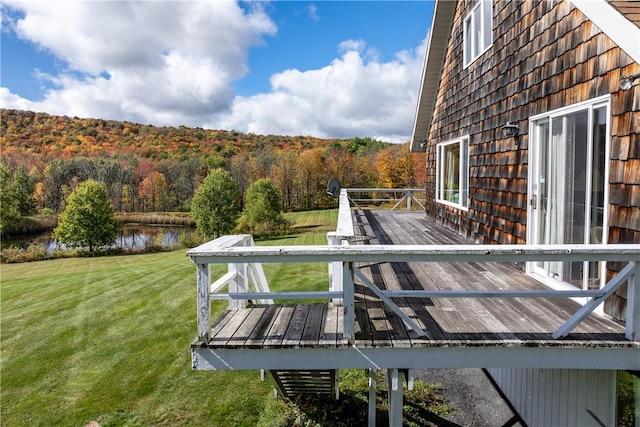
[348,301]
[204,306]
[394,378]
[409,195]
[372,398]
[633,305]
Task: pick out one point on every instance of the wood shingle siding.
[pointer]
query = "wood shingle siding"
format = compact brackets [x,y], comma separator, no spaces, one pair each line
[546,55]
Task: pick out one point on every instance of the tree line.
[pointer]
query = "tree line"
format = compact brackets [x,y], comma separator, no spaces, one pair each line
[36,181]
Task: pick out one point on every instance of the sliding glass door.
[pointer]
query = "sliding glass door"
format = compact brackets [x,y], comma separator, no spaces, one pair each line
[567,187]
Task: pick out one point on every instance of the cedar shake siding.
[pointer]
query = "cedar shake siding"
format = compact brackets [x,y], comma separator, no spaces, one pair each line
[545,55]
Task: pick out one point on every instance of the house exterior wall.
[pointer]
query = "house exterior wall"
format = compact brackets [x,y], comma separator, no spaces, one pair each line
[545,55]
[560,397]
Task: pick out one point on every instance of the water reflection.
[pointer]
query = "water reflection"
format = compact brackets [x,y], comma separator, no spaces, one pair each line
[130,237]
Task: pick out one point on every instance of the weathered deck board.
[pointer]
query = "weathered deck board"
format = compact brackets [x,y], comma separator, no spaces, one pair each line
[447,321]
[260,332]
[313,325]
[331,331]
[279,327]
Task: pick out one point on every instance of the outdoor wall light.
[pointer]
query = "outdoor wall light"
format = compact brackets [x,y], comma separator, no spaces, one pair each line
[626,82]
[509,130]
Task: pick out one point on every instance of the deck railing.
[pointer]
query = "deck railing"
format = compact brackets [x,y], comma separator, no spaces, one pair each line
[240,253]
[374,196]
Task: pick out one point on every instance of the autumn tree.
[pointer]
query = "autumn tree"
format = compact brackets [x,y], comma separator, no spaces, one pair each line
[284,175]
[262,214]
[153,192]
[87,220]
[395,166]
[312,176]
[216,204]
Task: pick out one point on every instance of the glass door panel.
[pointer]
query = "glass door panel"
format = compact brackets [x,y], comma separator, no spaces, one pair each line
[568,200]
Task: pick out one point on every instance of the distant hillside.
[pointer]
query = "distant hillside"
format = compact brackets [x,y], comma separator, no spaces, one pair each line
[46,137]
[158,169]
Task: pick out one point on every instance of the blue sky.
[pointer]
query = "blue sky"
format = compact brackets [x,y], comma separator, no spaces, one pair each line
[324,68]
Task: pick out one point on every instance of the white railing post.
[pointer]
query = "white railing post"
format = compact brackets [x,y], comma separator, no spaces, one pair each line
[348,301]
[633,305]
[408,200]
[204,306]
[335,267]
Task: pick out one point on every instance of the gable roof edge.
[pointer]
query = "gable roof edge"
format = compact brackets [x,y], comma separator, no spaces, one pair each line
[441,23]
[620,30]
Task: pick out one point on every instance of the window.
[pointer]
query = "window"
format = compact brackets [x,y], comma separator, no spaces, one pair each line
[452,172]
[478,30]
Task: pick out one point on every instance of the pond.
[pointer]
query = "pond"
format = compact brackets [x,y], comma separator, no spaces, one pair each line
[129,237]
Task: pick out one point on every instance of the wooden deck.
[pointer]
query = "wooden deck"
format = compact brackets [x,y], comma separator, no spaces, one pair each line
[449,323]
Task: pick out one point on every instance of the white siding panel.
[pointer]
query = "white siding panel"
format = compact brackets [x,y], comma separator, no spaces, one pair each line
[559,397]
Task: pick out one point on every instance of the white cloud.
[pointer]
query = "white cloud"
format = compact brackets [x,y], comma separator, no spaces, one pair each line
[350,97]
[154,61]
[174,63]
[312,11]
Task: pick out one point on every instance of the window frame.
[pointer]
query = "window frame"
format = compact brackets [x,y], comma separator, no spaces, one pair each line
[482,12]
[463,173]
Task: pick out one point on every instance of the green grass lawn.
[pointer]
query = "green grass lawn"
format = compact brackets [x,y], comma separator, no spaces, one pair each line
[107,340]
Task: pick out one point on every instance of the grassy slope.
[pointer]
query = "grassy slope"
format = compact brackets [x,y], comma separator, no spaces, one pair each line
[108,338]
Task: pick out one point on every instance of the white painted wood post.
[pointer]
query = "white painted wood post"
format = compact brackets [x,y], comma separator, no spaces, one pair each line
[204,306]
[335,267]
[409,200]
[395,397]
[372,398]
[348,301]
[633,305]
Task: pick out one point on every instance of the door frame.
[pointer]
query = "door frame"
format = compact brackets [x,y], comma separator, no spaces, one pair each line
[532,195]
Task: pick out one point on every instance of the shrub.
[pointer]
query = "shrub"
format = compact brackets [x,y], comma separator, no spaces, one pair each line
[32,253]
[190,239]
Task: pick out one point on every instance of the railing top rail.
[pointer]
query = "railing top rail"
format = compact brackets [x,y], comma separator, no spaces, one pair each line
[215,253]
[224,242]
[384,190]
[344,227]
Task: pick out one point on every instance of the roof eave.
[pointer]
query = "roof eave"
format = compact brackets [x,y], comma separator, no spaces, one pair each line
[434,60]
